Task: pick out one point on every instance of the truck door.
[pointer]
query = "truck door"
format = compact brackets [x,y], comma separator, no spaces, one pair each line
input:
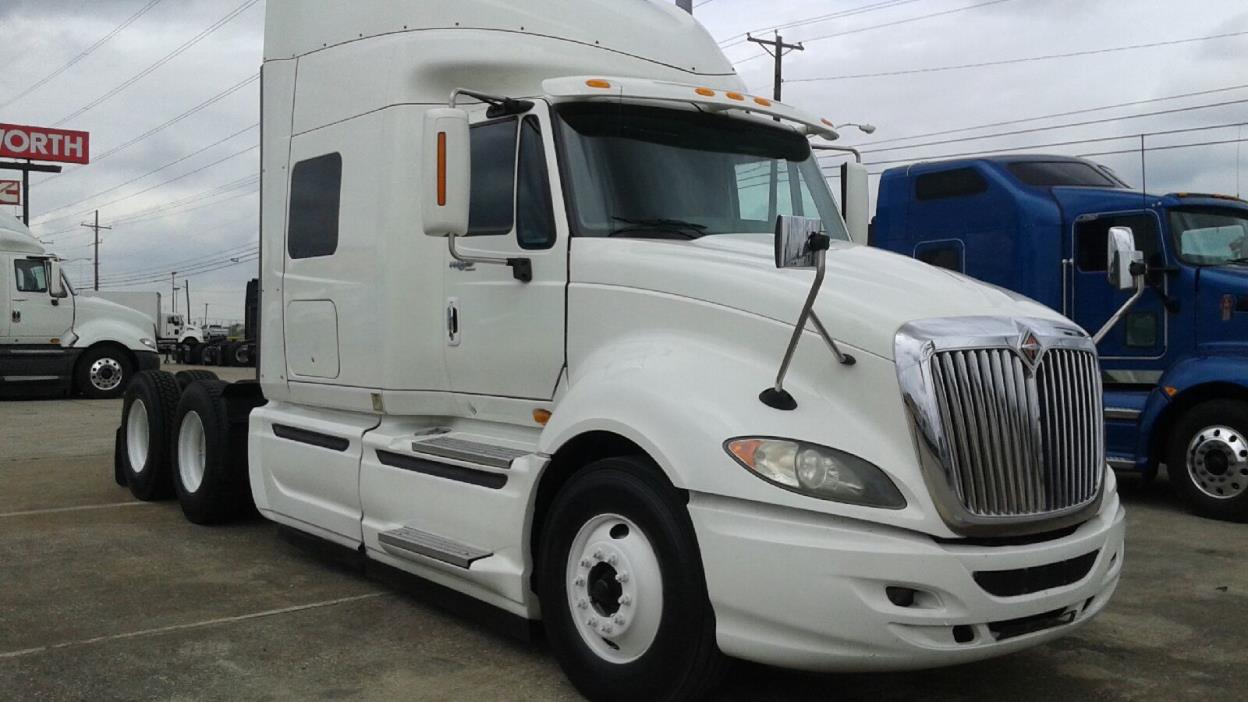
[35,317]
[505,337]
[1142,333]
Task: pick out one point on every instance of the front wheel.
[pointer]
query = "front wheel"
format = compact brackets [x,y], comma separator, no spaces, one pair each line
[622,587]
[1208,459]
[104,372]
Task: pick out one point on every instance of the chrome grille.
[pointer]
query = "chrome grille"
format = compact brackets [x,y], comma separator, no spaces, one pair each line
[1020,442]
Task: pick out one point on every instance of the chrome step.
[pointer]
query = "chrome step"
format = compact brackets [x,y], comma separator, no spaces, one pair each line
[490,455]
[406,541]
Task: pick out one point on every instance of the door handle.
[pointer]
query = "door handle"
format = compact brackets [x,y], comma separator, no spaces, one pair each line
[452,322]
[17,315]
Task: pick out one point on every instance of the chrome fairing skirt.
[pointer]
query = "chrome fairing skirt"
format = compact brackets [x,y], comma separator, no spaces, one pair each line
[1008,417]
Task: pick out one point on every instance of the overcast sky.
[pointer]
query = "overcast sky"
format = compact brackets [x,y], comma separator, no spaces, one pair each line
[210,216]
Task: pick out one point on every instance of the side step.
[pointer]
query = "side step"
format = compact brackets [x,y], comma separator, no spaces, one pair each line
[490,455]
[406,541]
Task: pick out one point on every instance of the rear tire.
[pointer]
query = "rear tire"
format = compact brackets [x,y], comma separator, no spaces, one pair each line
[211,355]
[648,634]
[187,377]
[143,441]
[104,372]
[240,356]
[1207,459]
[208,475]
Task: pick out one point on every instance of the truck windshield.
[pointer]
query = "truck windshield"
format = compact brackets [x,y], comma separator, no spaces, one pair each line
[1210,236]
[664,173]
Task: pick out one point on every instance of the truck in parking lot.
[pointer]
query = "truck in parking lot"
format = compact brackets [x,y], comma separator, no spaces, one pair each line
[53,341]
[1174,351]
[172,329]
[544,323]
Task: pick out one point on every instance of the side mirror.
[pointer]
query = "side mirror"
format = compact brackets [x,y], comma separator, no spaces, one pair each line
[798,241]
[1122,256]
[855,201]
[56,285]
[446,179]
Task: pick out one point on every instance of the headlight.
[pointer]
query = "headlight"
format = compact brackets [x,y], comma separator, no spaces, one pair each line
[148,342]
[817,471]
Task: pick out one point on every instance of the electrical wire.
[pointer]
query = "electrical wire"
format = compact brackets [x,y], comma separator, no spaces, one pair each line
[217,266]
[81,55]
[739,39]
[160,62]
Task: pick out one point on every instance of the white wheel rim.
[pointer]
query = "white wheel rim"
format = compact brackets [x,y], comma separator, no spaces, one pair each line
[191,451]
[615,588]
[138,436]
[106,374]
[1217,461]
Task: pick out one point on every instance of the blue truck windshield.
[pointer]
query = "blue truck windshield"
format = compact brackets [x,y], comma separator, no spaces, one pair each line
[1210,236]
[653,172]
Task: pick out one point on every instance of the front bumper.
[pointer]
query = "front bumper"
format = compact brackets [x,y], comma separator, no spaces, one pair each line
[803,590]
[147,360]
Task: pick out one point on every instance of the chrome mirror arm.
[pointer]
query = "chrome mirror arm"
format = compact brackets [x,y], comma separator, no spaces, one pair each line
[521,268]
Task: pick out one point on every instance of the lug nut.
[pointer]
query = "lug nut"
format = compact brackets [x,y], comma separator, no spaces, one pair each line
[582,604]
[613,560]
[622,577]
[585,563]
[619,621]
[591,622]
[579,582]
[607,630]
[597,555]
[625,600]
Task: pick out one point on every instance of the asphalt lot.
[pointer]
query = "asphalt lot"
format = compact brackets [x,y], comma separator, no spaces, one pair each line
[105,598]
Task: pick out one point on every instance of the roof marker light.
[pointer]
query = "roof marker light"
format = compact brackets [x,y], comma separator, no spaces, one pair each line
[597,83]
[762,101]
[707,92]
[734,96]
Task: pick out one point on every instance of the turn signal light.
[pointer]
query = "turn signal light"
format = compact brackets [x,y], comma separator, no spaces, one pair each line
[707,92]
[597,83]
[541,416]
[735,96]
[441,169]
[763,101]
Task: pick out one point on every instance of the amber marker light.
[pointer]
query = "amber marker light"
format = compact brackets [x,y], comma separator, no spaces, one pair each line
[706,92]
[1171,391]
[762,101]
[744,449]
[734,96]
[597,83]
[541,416]
[441,169]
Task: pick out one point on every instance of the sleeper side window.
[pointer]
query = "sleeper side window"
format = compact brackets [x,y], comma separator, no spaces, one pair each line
[958,182]
[315,197]
[491,208]
[535,215]
[31,275]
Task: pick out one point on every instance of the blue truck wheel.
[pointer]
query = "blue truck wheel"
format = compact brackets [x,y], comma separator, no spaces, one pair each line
[1208,459]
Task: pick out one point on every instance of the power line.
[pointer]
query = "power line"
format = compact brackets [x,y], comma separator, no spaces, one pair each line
[188,174]
[158,170]
[161,62]
[81,55]
[166,209]
[1168,147]
[215,266]
[1052,115]
[1068,125]
[738,39]
[189,263]
[1029,59]
[155,130]
[886,24]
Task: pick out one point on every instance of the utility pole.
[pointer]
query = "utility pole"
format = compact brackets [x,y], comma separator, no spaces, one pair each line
[776,48]
[97,229]
[173,292]
[205,314]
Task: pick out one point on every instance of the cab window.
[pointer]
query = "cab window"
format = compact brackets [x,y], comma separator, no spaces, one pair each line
[491,206]
[1092,237]
[31,275]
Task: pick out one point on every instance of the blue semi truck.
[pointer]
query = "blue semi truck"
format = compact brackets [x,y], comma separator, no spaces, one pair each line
[1174,338]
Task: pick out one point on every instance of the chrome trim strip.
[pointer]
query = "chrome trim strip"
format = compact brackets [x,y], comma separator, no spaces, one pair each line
[1121,413]
[406,541]
[29,378]
[479,453]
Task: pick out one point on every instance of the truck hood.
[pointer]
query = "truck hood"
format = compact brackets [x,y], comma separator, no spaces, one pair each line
[91,311]
[867,295]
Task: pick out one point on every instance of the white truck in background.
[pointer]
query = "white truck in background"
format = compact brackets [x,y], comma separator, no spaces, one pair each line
[172,328]
[53,341]
[528,271]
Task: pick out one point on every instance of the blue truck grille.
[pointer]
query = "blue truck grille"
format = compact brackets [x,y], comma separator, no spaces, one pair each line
[1022,441]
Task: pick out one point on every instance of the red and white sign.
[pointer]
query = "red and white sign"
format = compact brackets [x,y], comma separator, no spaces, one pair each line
[10,192]
[44,144]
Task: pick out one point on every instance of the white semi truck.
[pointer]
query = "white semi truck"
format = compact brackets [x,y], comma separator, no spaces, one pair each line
[172,329]
[528,273]
[53,341]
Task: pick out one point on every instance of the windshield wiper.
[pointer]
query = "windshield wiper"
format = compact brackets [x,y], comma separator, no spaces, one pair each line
[679,227]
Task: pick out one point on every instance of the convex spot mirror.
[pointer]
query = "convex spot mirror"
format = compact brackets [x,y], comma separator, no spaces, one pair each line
[798,241]
[446,173]
[1122,256]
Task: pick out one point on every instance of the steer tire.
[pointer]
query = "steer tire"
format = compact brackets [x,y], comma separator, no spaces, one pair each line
[187,377]
[209,475]
[1213,486]
[626,506]
[143,446]
[109,381]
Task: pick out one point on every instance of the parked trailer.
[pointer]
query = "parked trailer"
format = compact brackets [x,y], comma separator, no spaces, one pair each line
[522,345]
[1173,339]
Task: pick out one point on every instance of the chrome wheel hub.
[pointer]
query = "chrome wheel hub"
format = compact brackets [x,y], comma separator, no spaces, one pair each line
[192,452]
[138,436]
[615,588]
[105,374]
[1217,460]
